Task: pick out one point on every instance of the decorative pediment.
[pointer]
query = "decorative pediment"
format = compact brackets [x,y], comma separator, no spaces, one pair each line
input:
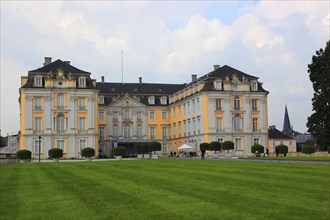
[127,102]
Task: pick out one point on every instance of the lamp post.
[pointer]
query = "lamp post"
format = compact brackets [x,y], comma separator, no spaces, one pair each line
[39,146]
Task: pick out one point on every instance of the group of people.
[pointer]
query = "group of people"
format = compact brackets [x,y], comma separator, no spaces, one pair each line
[182,154]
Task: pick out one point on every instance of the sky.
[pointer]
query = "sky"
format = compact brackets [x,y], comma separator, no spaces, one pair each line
[166,42]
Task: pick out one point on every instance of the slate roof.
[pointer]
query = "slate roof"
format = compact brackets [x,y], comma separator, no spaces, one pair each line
[273,133]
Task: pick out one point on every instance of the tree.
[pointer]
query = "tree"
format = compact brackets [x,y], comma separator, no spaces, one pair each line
[3,141]
[228,145]
[204,146]
[154,146]
[257,147]
[215,146]
[319,73]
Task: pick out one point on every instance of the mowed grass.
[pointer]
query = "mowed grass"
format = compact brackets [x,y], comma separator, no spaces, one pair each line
[164,189]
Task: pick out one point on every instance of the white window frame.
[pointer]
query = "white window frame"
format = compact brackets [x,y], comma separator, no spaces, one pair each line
[237,103]
[82,144]
[38,103]
[152,115]
[164,115]
[101,99]
[82,82]
[255,140]
[219,124]
[127,132]
[151,100]
[218,104]
[254,104]
[38,81]
[60,144]
[254,124]
[37,125]
[254,85]
[164,132]
[163,100]
[60,123]
[115,131]
[60,101]
[36,146]
[238,144]
[218,84]
[139,131]
[101,115]
[82,124]
[152,132]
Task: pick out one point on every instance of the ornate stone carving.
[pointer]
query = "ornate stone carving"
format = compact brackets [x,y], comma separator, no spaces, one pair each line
[91,98]
[48,98]
[60,74]
[29,98]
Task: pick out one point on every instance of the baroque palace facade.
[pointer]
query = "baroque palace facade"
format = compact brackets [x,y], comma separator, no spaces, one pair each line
[62,106]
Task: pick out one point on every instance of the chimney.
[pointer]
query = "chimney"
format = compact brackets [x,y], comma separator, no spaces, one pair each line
[216,67]
[102,79]
[48,60]
[140,80]
[67,62]
[193,77]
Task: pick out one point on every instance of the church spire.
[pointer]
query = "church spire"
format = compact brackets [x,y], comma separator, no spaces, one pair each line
[287,128]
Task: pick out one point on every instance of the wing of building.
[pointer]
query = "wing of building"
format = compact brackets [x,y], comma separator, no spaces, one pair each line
[69,110]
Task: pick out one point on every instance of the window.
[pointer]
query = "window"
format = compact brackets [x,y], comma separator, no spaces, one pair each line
[198,124]
[115,116]
[219,124]
[174,130]
[218,104]
[37,143]
[101,133]
[163,100]
[164,115]
[218,84]
[165,148]
[254,86]
[82,124]
[152,132]
[139,116]
[126,115]
[254,104]
[60,101]
[82,81]
[127,131]
[37,129]
[115,131]
[139,131]
[60,144]
[255,141]
[237,123]
[37,103]
[152,100]
[82,144]
[101,115]
[101,99]
[82,104]
[60,123]
[238,143]
[255,125]
[220,140]
[197,104]
[237,103]
[164,133]
[38,81]
[152,115]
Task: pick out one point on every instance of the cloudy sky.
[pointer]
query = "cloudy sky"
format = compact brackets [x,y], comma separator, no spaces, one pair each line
[166,42]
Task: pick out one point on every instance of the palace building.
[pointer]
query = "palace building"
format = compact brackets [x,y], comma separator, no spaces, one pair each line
[62,106]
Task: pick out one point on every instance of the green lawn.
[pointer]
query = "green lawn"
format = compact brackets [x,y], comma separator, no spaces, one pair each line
[304,158]
[164,189]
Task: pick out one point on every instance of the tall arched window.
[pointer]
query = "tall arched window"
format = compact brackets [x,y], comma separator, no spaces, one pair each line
[139,131]
[237,122]
[115,131]
[127,131]
[60,123]
[237,104]
[60,101]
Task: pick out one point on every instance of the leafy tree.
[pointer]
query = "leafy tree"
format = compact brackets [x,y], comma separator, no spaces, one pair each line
[154,146]
[257,147]
[137,148]
[228,145]
[3,142]
[88,152]
[215,146]
[204,146]
[119,151]
[319,73]
[144,148]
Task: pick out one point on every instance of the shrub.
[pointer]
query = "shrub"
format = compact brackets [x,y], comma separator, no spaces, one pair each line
[257,147]
[119,151]
[23,154]
[55,153]
[88,152]
[329,150]
[204,146]
[215,146]
[228,145]
[308,149]
[137,148]
[144,148]
[281,149]
[154,146]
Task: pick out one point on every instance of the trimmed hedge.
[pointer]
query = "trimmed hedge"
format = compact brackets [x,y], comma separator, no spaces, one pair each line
[88,152]
[119,151]
[215,146]
[137,148]
[282,149]
[257,147]
[308,149]
[55,153]
[23,154]
[227,145]
[204,146]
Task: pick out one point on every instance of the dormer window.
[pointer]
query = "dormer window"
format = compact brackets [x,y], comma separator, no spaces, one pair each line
[38,81]
[82,81]
[151,100]
[218,84]
[254,85]
[163,100]
[101,99]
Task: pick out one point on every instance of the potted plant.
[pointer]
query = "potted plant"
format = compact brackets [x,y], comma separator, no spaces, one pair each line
[88,152]
[228,145]
[55,154]
[204,147]
[281,149]
[144,149]
[119,152]
[215,146]
[308,150]
[257,150]
[154,146]
[23,155]
[138,151]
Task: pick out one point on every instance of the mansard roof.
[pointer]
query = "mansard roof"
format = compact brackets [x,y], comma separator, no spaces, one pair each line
[56,65]
[273,133]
